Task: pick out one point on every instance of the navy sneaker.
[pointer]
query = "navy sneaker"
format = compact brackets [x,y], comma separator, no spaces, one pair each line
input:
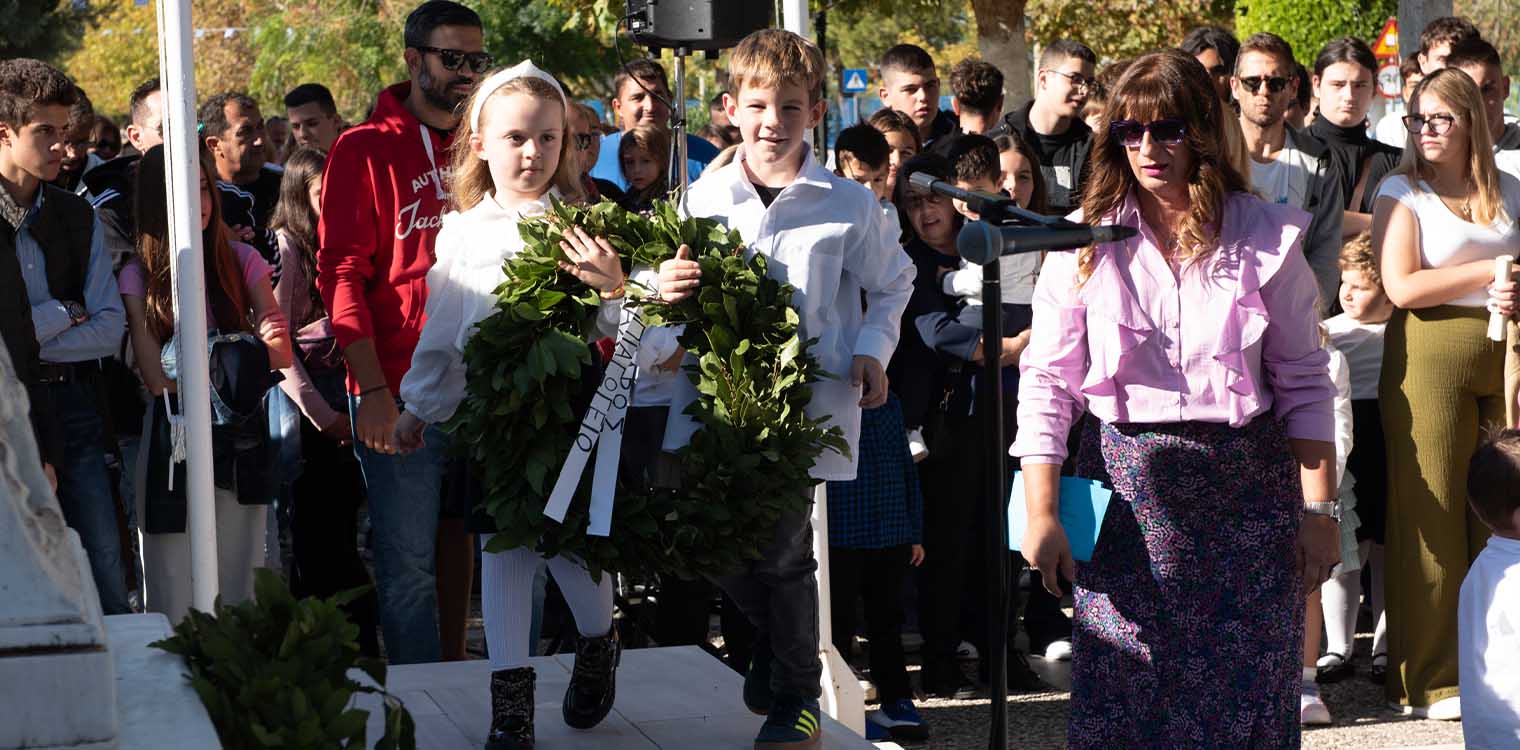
[899,721]
[791,724]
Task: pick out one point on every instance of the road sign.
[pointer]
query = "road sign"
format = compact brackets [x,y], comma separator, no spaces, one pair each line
[854,81]
[1388,41]
[1390,84]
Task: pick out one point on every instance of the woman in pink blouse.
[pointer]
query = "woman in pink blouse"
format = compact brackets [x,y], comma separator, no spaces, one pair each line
[1197,346]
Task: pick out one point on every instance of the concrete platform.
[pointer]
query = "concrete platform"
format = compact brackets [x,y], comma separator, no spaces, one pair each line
[668,698]
[157,708]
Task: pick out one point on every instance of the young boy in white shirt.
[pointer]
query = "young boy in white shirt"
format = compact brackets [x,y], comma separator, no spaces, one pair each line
[823,235]
[1488,617]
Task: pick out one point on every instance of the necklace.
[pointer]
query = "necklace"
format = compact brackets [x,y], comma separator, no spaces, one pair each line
[1463,209]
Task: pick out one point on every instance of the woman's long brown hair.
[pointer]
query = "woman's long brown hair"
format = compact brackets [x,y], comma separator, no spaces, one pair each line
[151,213]
[293,216]
[1165,85]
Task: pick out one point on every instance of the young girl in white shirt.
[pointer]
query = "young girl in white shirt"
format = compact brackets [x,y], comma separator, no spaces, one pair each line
[511,155]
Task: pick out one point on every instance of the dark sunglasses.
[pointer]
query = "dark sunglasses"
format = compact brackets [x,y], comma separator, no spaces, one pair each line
[1130,133]
[1438,123]
[1275,84]
[583,140]
[453,59]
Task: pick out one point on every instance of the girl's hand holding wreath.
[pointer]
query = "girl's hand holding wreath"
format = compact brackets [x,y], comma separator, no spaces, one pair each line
[593,260]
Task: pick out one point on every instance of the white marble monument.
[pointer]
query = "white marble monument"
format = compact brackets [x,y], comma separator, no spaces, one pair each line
[57,685]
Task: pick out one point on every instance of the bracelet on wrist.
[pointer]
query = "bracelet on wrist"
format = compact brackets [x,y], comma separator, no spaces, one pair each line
[615,293]
[381,387]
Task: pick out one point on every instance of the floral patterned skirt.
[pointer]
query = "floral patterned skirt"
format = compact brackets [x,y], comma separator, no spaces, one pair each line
[1189,618]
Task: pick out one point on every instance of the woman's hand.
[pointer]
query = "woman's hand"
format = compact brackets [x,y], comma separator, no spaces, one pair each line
[916,555]
[1319,549]
[679,276]
[407,436]
[338,429]
[593,260]
[1014,347]
[1502,296]
[1048,551]
[377,422]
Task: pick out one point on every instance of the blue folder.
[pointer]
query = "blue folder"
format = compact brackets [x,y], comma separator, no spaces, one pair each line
[1082,505]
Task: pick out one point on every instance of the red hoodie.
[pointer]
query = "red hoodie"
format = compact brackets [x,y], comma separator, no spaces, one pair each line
[384,194]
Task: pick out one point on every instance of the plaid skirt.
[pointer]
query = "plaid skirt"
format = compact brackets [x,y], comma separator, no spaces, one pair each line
[1189,618]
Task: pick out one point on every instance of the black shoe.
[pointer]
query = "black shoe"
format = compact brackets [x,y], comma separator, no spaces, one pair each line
[593,681]
[793,725]
[1379,672]
[757,682]
[1021,677]
[1336,671]
[945,680]
[511,710]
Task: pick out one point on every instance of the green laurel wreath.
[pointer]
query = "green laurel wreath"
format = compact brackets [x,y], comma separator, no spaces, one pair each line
[530,374]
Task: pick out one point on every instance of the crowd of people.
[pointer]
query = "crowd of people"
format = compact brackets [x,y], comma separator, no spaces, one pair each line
[1288,377]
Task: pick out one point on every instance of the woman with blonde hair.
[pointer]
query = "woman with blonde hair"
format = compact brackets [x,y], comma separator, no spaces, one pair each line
[1440,219]
[1197,346]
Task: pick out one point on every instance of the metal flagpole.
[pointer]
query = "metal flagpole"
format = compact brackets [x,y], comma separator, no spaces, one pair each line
[182,186]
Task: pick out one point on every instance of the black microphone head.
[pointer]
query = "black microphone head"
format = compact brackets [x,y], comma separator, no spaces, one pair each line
[922,181]
[1113,233]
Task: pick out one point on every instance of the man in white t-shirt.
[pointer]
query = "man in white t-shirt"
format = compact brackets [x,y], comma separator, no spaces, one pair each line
[1480,61]
[1488,648]
[1285,169]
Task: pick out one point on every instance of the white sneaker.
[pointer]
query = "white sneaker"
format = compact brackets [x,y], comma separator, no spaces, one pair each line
[1446,709]
[917,448]
[967,652]
[1058,650]
[1312,711]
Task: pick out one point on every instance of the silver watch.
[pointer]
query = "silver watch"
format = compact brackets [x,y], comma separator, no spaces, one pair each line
[1331,509]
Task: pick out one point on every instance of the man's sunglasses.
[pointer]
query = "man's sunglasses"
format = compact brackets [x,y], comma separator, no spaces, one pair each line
[1275,84]
[453,59]
[1130,133]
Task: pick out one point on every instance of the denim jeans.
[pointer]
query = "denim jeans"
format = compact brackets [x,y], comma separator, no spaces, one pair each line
[84,490]
[404,501]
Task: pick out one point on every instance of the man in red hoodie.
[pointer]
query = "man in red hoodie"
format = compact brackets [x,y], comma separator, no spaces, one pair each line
[385,191]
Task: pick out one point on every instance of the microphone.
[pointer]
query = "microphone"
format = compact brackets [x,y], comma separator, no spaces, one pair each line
[981,242]
[983,204]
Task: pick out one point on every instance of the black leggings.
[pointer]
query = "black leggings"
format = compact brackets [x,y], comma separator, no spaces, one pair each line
[324,529]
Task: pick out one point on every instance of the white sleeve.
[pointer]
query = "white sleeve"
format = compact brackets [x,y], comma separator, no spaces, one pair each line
[434,386]
[965,281]
[1340,372]
[886,275]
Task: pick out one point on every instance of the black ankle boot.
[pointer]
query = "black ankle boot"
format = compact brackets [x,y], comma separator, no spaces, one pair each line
[511,710]
[593,682]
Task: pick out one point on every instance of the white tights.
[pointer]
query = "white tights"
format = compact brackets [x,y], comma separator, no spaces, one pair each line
[1341,598]
[506,598]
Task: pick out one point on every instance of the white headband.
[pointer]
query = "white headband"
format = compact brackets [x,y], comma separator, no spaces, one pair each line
[524,69]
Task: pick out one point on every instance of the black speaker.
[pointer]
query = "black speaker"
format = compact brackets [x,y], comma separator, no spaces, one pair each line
[695,24]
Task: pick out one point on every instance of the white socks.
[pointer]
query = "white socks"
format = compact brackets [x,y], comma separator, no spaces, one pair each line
[1340,598]
[506,600]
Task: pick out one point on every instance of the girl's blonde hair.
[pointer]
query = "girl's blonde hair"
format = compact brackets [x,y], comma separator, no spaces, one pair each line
[472,175]
[1458,91]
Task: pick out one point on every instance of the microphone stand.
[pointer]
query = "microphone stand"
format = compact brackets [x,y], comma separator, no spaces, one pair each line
[995,488]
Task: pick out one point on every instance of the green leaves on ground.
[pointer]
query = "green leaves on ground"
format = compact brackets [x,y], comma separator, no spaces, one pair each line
[530,376]
[274,672]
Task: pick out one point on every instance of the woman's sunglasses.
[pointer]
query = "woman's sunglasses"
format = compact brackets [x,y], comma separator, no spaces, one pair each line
[453,59]
[1130,133]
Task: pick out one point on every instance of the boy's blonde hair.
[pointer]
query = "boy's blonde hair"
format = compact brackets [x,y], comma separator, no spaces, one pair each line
[1357,255]
[769,58]
[471,179]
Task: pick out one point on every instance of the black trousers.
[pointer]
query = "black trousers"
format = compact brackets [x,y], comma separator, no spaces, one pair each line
[876,575]
[324,529]
[780,597]
[952,484]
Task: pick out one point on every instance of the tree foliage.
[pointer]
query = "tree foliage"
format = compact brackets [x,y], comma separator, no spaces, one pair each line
[1309,24]
[1117,29]
[1500,24]
[44,29]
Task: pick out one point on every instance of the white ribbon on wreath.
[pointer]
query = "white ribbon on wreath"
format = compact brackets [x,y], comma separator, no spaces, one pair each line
[601,432]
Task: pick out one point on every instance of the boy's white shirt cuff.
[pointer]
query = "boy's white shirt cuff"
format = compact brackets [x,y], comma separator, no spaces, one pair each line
[875,344]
